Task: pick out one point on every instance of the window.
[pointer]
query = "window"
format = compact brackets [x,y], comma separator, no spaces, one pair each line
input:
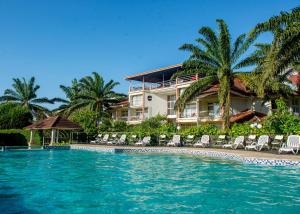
[189,111]
[171,104]
[124,115]
[295,106]
[137,100]
[138,114]
[213,110]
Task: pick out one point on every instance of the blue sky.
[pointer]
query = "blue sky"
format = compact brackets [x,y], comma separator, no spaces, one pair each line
[58,40]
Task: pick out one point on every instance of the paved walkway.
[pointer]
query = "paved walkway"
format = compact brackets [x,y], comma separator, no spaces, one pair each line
[271,155]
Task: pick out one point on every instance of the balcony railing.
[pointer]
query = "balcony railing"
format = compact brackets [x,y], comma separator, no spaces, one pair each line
[122,118]
[137,86]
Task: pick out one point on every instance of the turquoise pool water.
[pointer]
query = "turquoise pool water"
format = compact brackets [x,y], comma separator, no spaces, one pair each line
[92,182]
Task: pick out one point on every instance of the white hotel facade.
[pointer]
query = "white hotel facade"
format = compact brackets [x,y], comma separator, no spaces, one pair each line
[155,92]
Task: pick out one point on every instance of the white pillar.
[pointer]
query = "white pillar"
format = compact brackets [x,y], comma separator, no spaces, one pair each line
[57,133]
[31,137]
[52,136]
[197,110]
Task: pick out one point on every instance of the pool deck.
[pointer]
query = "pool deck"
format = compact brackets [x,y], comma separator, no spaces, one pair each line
[265,155]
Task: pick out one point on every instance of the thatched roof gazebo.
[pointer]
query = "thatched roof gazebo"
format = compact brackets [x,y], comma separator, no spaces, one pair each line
[54,124]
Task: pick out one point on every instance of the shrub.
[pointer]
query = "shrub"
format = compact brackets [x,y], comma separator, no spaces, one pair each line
[153,126]
[14,116]
[109,125]
[282,121]
[87,119]
[245,129]
[17,137]
[201,130]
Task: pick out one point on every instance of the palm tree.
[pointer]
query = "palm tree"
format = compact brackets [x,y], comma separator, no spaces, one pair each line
[96,95]
[284,51]
[217,59]
[275,86]
[24,93]
[71,93]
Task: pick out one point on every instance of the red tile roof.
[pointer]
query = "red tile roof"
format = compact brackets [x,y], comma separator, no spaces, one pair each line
[295,79]
[237,88]
[56,122]
[247,115]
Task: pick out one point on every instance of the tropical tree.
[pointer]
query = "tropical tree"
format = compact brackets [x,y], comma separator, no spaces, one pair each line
[284,51]
[217,59]
[95,95]
[25,93]
[71,93]
[275,87]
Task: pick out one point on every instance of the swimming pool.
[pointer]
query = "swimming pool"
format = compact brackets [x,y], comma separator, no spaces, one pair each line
[75,181]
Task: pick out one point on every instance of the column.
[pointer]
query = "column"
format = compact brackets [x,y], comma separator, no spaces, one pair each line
[52,136]
[31,137]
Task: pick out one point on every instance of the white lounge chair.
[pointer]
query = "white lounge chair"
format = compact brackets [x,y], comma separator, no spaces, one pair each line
[251,139]
[189,140]
[292,145]
[238,143]
[144,142]
[162,139]
[262,142]
[97,140]
[122,140]
[104,139]
[133,139]
[277,142]
[112,139]
[175,141]
[203,142]
[221,139]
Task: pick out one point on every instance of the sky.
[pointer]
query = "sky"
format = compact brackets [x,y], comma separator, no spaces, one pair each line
[59,40]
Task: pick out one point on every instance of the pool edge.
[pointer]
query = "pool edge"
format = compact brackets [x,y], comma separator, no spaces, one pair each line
[214,154]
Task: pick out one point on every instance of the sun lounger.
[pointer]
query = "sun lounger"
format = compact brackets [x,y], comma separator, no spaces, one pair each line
[97,140]
[292,145]
[251,139]
[162,140]
[104,139]
[144,142]
[277,142]
[133,139]
[189,140]
[112,139]
[203,142]
[221,139]
[238,143]
[175,141]
[262,142]
[122,140]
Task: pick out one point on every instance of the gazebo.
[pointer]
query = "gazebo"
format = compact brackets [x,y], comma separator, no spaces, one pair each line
[54,124]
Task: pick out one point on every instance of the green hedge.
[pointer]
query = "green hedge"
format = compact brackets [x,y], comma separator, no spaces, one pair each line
[17,137]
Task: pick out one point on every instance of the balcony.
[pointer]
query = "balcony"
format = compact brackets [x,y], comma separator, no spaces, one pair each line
[138,86]
[137,119]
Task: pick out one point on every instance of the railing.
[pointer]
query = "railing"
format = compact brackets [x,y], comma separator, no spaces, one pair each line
[187,78]
[188,115]
[138,118]
[122,118]
[138,86]
[136,103]
[135,118]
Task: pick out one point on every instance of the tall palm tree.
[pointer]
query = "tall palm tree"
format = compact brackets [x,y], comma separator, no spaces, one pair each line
[217,59]
[96,95]
[25,93]
[284,51]
[275,86]
[71,93]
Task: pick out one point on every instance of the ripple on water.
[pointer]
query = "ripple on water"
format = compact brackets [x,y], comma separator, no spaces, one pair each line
[93,182]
